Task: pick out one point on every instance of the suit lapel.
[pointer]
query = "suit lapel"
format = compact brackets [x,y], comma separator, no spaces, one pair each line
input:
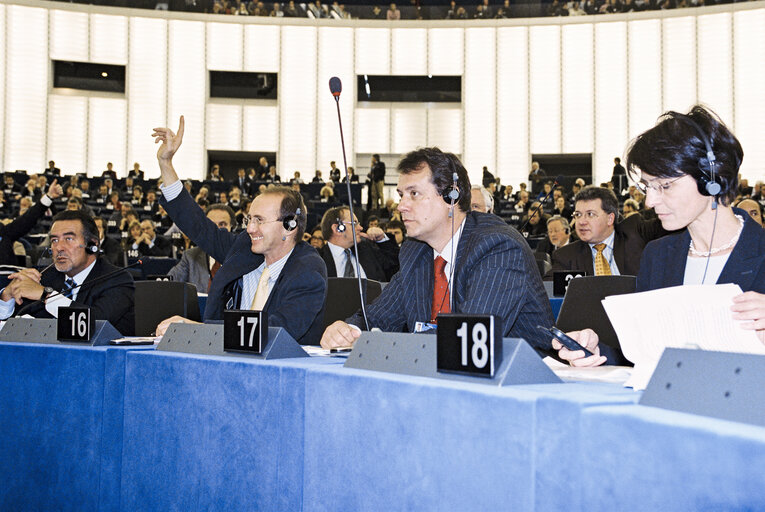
[584,259]
[422,283]
[743,262]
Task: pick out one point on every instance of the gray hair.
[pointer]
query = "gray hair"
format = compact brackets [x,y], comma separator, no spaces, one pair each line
[487,197]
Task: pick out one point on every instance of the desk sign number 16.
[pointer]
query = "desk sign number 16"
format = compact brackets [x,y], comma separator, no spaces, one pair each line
[466,344]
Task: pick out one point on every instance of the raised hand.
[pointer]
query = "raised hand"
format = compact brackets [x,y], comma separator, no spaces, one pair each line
[170,141]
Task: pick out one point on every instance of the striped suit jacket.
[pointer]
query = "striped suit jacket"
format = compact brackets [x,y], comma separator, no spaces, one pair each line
[495,273]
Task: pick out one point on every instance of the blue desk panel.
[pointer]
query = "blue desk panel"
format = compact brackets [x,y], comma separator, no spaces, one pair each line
[385,442]
[213,433]
[54,412]
[653,459]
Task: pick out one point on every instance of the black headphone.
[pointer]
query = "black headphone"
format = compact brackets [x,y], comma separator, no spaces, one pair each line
[452,195]
[340,226]
[92,248]
[291,223]
[707,181]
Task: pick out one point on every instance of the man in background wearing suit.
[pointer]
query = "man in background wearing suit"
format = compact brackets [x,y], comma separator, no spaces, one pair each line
[454,260]
[267,268]
[604,247]
[74,244]
[378,254]
[196,266]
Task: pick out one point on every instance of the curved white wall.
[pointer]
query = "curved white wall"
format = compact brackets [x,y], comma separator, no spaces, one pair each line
[553,85]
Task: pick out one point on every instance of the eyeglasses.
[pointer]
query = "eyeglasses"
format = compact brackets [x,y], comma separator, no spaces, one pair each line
[247,219]
[589,215]
[659,188]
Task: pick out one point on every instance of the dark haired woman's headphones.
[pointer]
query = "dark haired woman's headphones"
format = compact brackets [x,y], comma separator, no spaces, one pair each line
[707,181]
[291,223]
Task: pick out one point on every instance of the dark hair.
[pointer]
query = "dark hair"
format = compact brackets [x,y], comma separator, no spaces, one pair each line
[330,217]
[608,200]
[674,147]
[442,166]
[89,228]
[76,200]
[224,208]
[291,201]
[396,224]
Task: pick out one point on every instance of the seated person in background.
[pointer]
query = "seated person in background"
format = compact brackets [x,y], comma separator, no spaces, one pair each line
[751,207]
[110,248]
[480,264]
[74,245]
[317,177]
[558,235]
[12,190]
[102,197]
[150,204]
[535,222]
[396,230]
[215,174]
[327,195]
[31,190]
[378,255]
[85,188]
[137,199]
[119,217]
[296,178]
[114,202]
[373,221]
[266,268]
[25,203]
[148,243]
[352,174]
[52,169]
[604,247]
[136,172]
[109,172]
[235,199]
[481,200]
[24,223]
[317,239]
[630,208]
[127,190]
[717,244]
[196,267]
[272,177]
[561,208]
[522,204]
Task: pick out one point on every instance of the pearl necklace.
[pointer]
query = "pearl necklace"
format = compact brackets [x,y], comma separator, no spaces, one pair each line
[722,248]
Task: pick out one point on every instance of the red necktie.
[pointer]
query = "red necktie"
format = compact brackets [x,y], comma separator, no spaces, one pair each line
[213,270]
[440,290]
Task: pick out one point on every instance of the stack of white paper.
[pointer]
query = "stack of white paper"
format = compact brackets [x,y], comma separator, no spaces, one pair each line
[694,316]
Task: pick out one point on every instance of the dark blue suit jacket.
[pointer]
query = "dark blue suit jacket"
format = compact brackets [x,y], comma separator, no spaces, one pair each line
[297,300]
[664,260]
[495,273]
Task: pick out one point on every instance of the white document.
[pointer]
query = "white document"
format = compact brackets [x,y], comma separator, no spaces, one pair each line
[694,316]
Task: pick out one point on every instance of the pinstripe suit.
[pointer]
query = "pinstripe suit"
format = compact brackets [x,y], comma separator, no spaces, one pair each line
[495,273]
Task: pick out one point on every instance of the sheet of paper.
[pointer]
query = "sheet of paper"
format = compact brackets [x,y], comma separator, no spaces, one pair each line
[611,374]
[696,316]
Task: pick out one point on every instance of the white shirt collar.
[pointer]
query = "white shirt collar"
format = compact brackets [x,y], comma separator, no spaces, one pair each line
[82,275]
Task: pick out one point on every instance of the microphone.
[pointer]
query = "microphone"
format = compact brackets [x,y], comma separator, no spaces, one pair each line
[86,284]
[336,87]
[557,180]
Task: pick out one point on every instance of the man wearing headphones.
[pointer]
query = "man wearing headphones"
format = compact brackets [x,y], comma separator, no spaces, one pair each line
[76,280]
[558,235]
[378,254]
[267,268]
[454,260]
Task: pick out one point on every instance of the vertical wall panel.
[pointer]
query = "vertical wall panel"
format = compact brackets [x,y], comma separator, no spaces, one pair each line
[224,127]
[679,61]
[224,46]
[106,132]
[372,51]
[512,105]
[335,59]
[261,48]
[749,83]
[372,131]
[479,101]
[716,64]
[297,91]
[187,94]
[67,132]
[261,132]
[445,51]
[409,129]
[26,99]
[611,94]
[544,89]
[445,129]
[409,49]
[576,89]
[2,87]
[108,39]
[644,57]
[69,35]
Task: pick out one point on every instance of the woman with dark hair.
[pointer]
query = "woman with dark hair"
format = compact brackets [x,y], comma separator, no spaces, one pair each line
[687,165]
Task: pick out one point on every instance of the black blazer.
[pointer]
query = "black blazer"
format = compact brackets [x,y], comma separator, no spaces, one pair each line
[19,227]
[112,299]
[379,260]
[295,303]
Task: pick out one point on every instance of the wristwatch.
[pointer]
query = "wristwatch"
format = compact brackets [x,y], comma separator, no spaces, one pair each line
[46,292]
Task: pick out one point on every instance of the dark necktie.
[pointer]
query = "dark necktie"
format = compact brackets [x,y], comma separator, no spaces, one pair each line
[440,290]
[213,270]
[348,265]
[68,290]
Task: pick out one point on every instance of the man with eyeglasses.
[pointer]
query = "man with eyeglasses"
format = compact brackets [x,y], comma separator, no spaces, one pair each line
[268,267]
[605,247]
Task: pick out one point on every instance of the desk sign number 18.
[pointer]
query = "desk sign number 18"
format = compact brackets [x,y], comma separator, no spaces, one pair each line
[466,344]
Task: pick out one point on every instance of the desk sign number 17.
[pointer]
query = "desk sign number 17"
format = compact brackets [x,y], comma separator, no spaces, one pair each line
[467,344]
[244,331]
